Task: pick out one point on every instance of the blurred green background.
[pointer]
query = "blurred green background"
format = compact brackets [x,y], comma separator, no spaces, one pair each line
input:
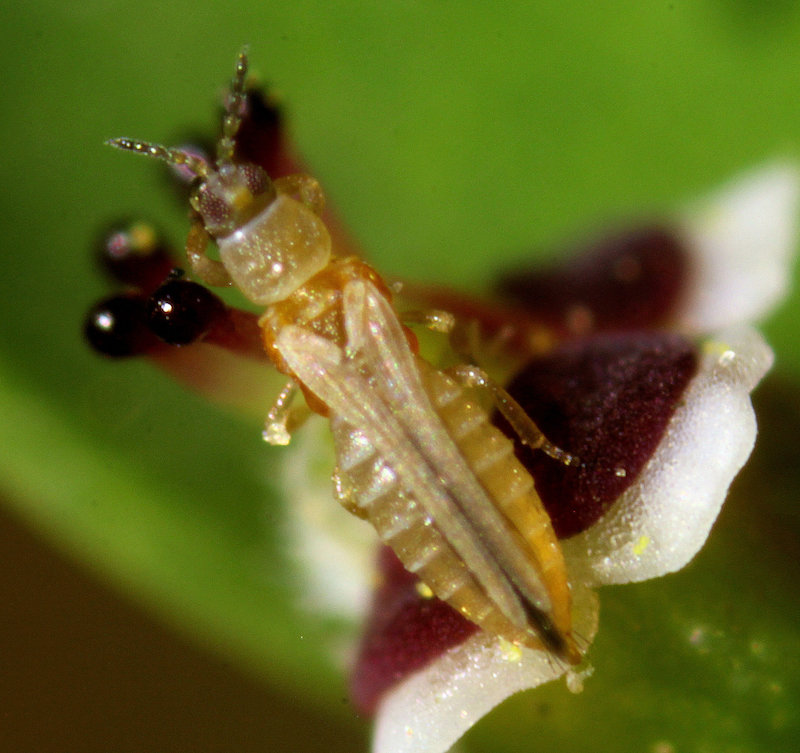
[453,136]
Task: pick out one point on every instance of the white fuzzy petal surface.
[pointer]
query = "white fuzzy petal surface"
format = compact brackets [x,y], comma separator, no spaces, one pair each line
[742,243]
[664,518]
[333,550]
[430,710]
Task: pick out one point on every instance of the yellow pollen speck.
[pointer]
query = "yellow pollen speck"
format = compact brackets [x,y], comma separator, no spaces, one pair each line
[724,353]
[424,590]
[143,235]
[641,545]
[714,347]
[511,651]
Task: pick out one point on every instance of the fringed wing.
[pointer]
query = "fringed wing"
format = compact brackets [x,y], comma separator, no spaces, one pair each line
[374,385]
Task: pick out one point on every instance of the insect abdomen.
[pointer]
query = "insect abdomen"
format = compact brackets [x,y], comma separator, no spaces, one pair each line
[490,455]
[402,523]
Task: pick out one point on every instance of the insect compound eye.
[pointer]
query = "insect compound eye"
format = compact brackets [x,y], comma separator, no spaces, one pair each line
[181,312]
[229,197]
[212,206]
[256,180]
[117,326]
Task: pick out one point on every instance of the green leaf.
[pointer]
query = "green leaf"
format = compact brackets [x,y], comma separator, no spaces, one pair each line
[453,137]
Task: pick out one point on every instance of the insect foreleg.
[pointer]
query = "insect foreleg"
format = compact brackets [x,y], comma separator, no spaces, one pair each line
[210,271]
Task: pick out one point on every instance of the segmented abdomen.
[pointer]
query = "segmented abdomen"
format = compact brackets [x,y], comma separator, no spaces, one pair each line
[402,523]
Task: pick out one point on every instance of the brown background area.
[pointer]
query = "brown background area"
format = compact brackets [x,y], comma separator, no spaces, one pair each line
[82,670]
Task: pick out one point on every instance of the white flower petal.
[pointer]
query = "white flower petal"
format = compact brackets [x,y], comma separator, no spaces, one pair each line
[663,519]
[742,244]
[430,710]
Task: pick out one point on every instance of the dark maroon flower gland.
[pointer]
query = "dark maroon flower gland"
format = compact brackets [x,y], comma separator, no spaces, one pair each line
[181,312]
[135,253]
[629,281]
[406,631]
[607,399]
[117,327]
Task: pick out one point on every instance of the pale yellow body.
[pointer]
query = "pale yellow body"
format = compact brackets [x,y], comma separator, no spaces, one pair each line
[417,456]
[441,485]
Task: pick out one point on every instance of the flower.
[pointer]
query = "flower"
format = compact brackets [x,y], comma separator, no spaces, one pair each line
[659,412]
[615,367]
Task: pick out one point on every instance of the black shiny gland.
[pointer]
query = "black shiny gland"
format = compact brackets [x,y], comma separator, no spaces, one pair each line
[181,312]
[117,326]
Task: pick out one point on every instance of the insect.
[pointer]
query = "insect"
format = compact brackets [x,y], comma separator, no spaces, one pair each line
[416,455]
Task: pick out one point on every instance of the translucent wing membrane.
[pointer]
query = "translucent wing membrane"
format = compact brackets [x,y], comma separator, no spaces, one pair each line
[373,326]
[375,385]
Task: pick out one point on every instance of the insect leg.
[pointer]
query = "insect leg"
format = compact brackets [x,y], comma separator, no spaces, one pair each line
[435,320]
[303,187]
[210,271]
[283,418]
[523,425]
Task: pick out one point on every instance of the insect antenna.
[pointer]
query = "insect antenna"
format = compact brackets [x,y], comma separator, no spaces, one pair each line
[170,155]
[233,111]
[227,141]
